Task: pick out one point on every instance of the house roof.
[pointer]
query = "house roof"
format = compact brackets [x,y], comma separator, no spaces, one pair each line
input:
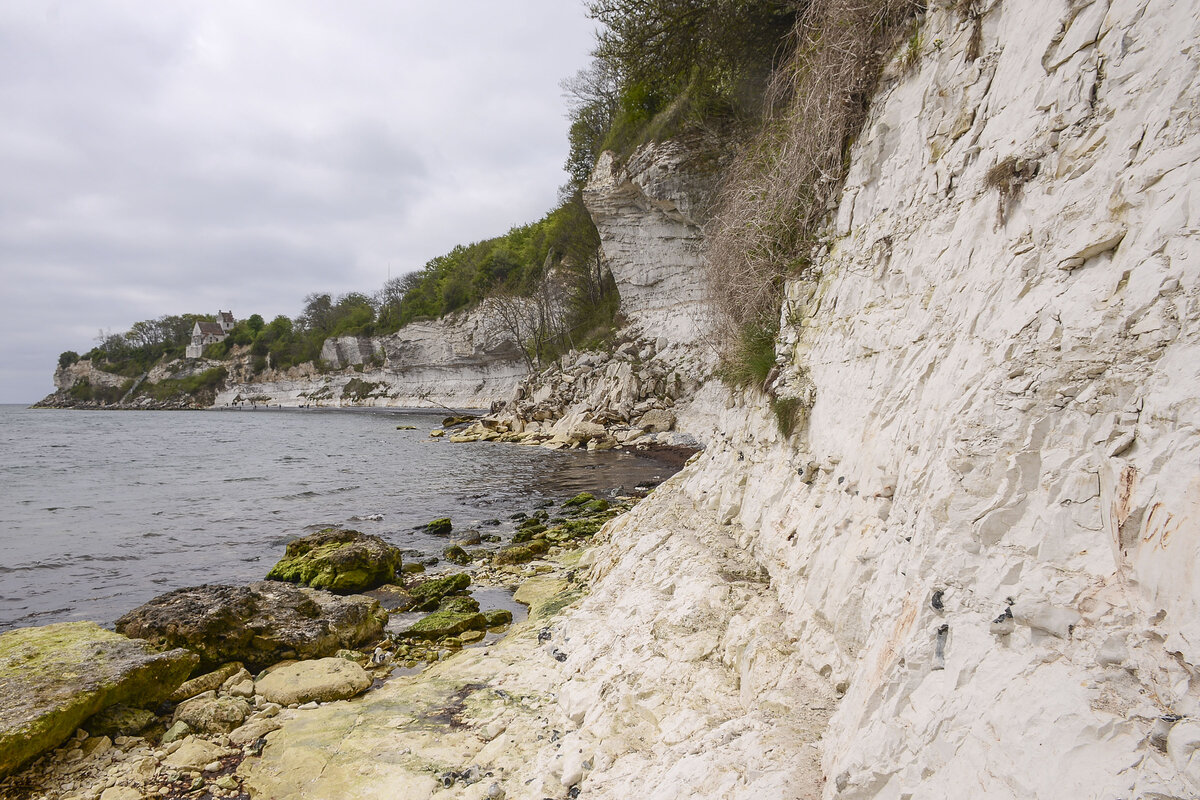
[227,316]
[213,328]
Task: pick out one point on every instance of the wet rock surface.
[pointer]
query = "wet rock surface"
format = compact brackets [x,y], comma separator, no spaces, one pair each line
[259,624]
[341,561]
[54,677]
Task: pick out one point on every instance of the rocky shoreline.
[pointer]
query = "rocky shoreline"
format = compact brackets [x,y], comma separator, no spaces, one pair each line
[263,654]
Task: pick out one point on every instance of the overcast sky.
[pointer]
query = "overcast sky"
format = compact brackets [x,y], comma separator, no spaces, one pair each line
[170,157]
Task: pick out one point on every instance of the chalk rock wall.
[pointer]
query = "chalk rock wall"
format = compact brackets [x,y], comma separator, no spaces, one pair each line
[460,361]
[650,212]
[66,377]
[987,534]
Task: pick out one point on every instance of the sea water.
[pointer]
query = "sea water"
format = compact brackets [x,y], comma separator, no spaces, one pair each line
[100,511]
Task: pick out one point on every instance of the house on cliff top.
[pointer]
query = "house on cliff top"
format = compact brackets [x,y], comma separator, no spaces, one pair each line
[206,333]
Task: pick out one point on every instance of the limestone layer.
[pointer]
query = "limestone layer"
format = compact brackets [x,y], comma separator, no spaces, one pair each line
[461,361]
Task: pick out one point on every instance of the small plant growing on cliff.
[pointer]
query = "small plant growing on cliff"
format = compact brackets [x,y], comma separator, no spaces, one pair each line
[1009,178]
[67,358]
[358,389]
[788,413]
[912,50]
[752,357]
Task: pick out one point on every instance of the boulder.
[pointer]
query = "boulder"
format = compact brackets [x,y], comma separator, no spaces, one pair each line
[657,421]
[456,555]
[54,677]
[514,554]
[120,720]
[253,730]
[206,682]
[259,624]
[207,713]
[342,561]
[445,623]
[426,595]
[321,680]
[462,603]
[194,754]
[496,617]
[440,526]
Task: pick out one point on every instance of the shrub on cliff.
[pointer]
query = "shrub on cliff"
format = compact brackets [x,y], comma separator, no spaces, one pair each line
[778,191]
[664,65]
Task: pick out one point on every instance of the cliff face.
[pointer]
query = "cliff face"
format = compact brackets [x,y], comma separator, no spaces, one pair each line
[986,536]
[972,571]
[977,557]
[650,213]
[461,361]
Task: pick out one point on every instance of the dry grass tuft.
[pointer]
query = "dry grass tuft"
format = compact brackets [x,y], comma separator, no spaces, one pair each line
[784,182]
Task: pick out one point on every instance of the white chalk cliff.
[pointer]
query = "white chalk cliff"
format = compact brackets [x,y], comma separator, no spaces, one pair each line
[650,212]
[463,360]
[986,536]
[973,570]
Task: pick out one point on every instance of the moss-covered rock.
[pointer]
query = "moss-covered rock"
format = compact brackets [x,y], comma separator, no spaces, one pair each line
[426,595]
[579,499]
[461,603]
[439,527]
[538,546]
[514,554]
[54,677]
[456,555]
[528,534]
[342,561]
[575,528]
[596,506]
[445,623]
[498,616]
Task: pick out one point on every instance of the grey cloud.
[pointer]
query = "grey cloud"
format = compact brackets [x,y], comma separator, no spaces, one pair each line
[169,157]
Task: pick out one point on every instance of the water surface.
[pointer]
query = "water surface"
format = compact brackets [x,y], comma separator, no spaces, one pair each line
[101,511]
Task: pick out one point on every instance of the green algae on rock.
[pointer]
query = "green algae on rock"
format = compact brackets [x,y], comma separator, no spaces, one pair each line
[445,623]
[456,555]
[496,617]
[579,499]
[342,561]
[52,678]
[440,526]
[461,603]
[514,554]
[426,595]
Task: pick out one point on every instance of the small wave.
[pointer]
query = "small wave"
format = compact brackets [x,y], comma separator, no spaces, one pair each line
[151,535]
[53,508]
[301,496]
[243,480]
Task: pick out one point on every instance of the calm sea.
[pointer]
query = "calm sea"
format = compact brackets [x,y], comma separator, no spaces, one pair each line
[101,511]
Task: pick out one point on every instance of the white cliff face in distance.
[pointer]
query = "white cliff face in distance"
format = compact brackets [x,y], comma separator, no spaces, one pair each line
[463,360]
